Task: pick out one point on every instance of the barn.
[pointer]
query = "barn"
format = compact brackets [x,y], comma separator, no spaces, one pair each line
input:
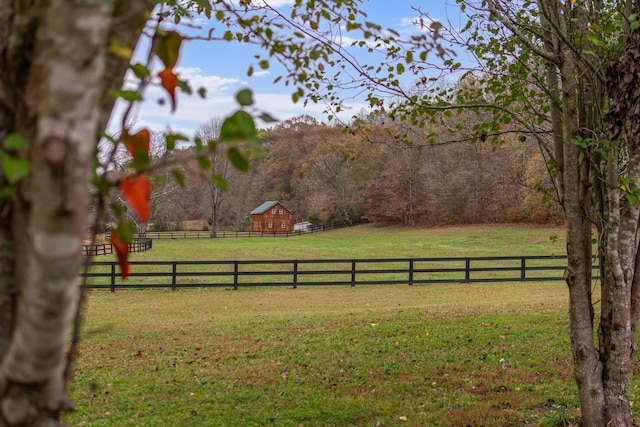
[272,217]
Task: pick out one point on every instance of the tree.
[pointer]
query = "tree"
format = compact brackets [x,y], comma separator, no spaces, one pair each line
[541,74]
[590,172]
[62,66]
[563,74]
[48,132]
[220,169]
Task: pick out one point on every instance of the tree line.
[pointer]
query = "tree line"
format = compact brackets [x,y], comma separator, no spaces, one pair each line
[329,173]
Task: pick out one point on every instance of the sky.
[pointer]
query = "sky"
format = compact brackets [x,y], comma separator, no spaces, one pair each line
[221,68]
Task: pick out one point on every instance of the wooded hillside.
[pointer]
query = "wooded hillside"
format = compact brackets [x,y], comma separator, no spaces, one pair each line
[329,173]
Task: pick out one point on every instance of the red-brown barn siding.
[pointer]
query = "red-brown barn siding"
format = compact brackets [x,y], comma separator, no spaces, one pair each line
[272,217]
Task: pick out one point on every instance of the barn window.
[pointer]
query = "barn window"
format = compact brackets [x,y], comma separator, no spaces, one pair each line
[270,224]
[281,211]
[273,211]
[282,225]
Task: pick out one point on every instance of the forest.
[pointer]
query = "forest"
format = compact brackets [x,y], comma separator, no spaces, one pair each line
[331,173]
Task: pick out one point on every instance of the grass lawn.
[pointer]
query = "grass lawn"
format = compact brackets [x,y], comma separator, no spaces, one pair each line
[367,241]
[427,355]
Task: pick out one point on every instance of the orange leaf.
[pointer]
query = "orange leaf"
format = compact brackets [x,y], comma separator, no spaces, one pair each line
[137,144]
[137,191]
[169,82]
[122,252]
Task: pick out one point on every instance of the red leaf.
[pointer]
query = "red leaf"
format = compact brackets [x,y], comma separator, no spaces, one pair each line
[122,252]
[137,191]
[137,144]
[169,82]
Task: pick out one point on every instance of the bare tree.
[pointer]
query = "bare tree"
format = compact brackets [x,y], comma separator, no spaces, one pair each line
[219,171]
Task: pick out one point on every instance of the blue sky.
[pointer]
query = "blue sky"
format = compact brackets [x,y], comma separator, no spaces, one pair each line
[221,67]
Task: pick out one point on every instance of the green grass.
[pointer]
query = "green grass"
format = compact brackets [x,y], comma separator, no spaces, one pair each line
[427,355]
[369,241]
[438,355]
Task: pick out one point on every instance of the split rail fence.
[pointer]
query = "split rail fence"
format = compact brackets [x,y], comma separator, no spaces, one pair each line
[350,272]
[137,245]
[247,234]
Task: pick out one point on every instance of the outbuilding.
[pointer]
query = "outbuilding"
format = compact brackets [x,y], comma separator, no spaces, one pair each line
[272,217]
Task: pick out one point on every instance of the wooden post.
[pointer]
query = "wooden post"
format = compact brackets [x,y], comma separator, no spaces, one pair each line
[174,268]
[295,274]
[235,275]
[353,274]
[113,277]
[411,273]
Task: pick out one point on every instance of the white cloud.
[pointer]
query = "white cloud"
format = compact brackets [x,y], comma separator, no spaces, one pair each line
[274,3]
[192,110]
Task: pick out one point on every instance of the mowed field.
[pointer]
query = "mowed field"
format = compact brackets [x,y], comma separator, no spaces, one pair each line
[427,355]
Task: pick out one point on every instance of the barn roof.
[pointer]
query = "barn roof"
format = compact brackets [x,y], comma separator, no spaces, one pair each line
[265,206]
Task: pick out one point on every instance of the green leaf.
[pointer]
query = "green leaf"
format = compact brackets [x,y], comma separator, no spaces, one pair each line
[199,144]
[245,97]
[184,86]
[118,209]
[140,71]
[204,162]
[220,182]
[126,230]
[595,40]
[172,138]
[168,48]
[238,127]
[409,57]
[267,118]
[178,175]
[14,169]
[127,95]
[7,191]
[238,160]
[14,141]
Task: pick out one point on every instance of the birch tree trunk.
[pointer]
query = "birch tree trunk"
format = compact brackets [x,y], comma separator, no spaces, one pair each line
[596,175]
[53,58]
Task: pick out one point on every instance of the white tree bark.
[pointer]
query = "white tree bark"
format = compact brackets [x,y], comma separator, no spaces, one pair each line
[53,80]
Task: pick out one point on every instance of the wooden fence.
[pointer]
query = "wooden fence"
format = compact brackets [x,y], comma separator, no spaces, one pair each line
[247,234]
[350,272]
[137,245]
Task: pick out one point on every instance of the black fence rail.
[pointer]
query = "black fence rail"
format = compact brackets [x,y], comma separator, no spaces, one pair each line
[350,272]
[137,245]
[247,234]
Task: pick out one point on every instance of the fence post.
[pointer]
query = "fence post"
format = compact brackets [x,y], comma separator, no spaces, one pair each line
[523,269]
[235,275]
[295,274]
[353,274]
[467,270]
[113,277]
[411,273]
[174,268]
